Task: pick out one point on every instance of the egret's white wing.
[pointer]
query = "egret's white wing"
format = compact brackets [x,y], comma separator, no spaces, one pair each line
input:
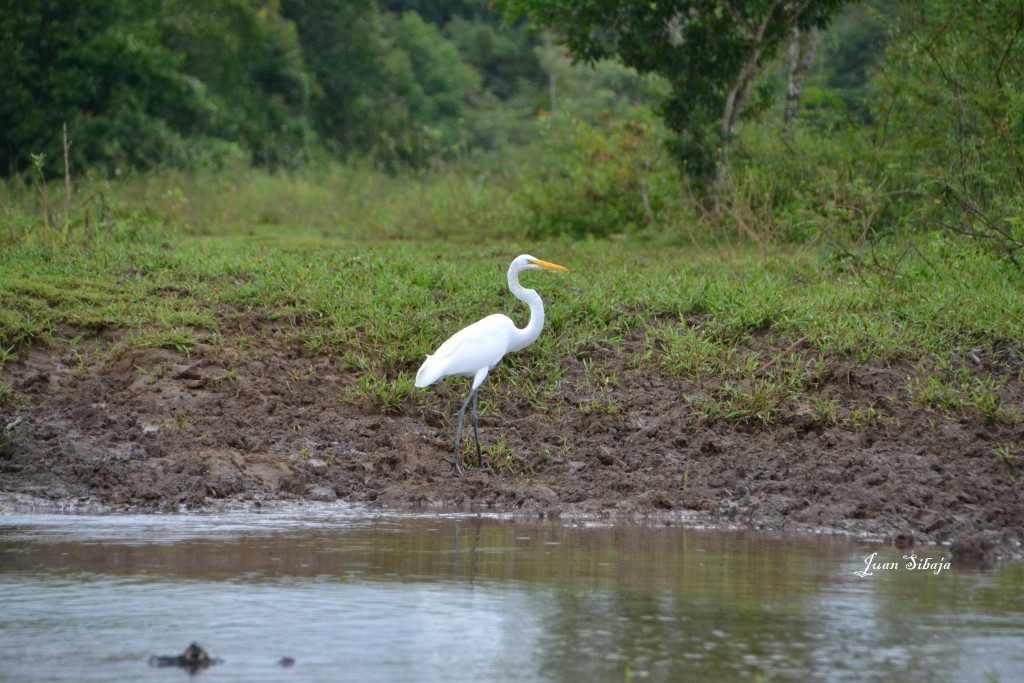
[481,345]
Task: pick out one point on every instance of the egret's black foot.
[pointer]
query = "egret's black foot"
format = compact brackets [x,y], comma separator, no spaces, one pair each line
[453,464]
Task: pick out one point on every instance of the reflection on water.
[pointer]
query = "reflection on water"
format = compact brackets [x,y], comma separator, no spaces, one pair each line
[362,596]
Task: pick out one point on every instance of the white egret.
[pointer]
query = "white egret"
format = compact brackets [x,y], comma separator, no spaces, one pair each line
[474,350]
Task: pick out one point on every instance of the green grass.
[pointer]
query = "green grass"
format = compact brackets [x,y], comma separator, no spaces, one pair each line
[378,271]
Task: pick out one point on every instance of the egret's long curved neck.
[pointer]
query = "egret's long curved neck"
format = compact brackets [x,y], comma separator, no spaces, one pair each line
[525,336]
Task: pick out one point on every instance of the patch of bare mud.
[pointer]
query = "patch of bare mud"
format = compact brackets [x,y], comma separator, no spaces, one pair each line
[154,429]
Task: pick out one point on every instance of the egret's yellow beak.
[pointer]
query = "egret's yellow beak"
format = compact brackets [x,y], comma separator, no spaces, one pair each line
[548,265]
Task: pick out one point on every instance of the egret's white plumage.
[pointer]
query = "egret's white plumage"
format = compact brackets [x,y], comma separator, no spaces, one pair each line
[474,350]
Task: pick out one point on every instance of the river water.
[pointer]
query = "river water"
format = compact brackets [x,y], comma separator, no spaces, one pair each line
[357,595]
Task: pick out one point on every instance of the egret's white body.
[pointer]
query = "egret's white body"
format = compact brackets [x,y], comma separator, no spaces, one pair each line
[474,350]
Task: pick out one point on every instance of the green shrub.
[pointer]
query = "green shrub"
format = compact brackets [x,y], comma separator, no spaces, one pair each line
[949,90]
[582,180]
[809,187]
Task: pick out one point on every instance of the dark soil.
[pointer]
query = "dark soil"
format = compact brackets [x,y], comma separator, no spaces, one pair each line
[156,429]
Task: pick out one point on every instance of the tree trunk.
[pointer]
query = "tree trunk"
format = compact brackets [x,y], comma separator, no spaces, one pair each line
[801,54]
[737,95]
[734,101]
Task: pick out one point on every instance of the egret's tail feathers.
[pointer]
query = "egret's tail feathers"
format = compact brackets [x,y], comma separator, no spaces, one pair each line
[427,374]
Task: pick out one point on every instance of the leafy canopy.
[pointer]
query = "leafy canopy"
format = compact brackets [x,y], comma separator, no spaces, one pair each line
[710,51]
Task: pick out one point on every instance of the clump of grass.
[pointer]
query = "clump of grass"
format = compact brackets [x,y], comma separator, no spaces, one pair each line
[824,412]
[500,458]
[689,351]
[759,402]
[6,355]
[175,339]
[1008,458]
[537,374]
[950,390]
[597,405]
[230,375]
[296,375]
[154,375]
[389,395]
[6,394]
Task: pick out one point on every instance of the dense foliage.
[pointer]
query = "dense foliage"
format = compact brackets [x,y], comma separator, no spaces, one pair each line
[953,96]
[144,83]
[909,116]
[141,83]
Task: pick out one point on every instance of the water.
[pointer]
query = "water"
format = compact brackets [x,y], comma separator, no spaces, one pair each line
[354,595]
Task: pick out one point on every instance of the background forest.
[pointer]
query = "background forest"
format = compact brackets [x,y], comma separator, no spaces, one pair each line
[895,114]
[878,117]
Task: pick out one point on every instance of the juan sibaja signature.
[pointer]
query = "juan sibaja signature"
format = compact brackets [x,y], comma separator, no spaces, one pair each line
[911,563]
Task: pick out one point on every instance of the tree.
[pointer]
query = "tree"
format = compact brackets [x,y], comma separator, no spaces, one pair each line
[850,51]
[504,56]
[143,83]
[248,60]
[98,66]
[951,88]
[710,51]
[387,85]
[435,81]
[344,47]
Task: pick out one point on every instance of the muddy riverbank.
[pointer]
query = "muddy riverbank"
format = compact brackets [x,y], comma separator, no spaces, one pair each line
[158,429]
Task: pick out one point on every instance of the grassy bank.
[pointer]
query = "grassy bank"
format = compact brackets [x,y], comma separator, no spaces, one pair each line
[377,272]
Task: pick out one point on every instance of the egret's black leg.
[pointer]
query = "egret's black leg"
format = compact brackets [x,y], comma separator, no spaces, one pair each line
[454,462]
[476,435]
